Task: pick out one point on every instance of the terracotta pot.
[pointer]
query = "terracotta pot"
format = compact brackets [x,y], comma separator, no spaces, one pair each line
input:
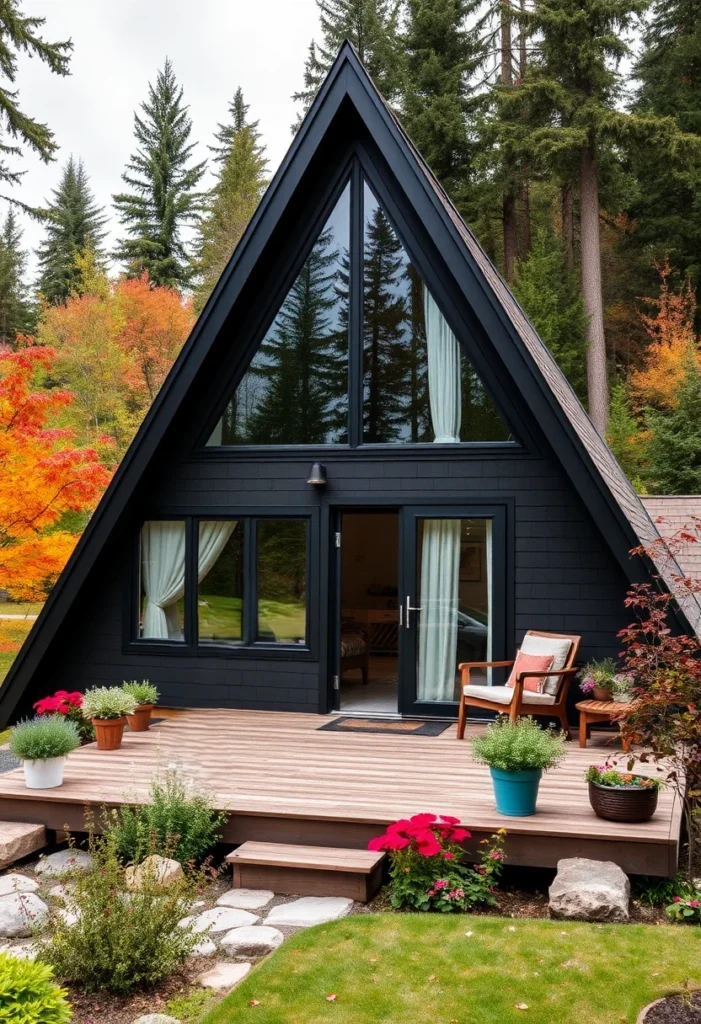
[601,693]
[108,732]
[622,803]
[141,719]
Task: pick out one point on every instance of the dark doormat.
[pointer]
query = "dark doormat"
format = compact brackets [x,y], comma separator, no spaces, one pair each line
[401,726]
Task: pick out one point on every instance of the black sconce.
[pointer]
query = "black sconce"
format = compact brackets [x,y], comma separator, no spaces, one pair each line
[317,475]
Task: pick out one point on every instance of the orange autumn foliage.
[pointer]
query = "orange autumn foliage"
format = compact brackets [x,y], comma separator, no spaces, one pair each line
[672,342]
[43,476]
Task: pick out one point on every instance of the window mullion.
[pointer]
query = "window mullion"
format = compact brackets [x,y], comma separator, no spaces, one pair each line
[250,588]
[355,319]
[190,596]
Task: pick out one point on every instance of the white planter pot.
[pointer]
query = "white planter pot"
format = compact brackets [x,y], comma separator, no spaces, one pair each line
[46,774]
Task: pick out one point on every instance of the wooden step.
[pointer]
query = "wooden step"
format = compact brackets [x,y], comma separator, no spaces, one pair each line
[307,870]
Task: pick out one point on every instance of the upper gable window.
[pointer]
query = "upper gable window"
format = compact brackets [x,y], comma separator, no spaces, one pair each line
[414,384]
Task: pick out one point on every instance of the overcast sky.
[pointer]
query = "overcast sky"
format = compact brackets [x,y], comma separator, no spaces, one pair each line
[215,45]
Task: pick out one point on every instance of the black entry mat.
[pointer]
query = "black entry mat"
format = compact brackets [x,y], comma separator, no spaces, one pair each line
[400,726]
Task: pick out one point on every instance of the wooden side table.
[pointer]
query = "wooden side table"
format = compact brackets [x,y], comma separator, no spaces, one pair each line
[598,711]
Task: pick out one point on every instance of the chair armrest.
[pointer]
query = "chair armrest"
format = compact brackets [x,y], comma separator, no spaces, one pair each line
[484,664]
[561,673]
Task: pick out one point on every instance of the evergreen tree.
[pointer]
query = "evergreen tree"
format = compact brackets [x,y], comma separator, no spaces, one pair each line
[240,183]
[372,26]
[550,296]
[163,180]
[571,95]
[442,57]
[675,445]
[74,225]
[19,33]
[626,439]
[18,313]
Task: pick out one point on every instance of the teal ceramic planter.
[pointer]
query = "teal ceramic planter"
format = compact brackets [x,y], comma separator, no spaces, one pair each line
[516,792]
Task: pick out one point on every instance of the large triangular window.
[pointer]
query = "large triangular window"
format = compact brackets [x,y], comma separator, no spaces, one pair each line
[416,384]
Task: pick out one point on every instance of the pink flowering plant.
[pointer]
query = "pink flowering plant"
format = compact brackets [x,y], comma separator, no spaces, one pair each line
[70,705]
[426,869]
[686,909]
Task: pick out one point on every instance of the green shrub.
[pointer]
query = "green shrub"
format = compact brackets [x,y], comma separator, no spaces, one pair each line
[177,822]
[519,746]
[38,739]
[143,692]
[28,994]
[108,702]
[652,891]
[686,909]
[122,940]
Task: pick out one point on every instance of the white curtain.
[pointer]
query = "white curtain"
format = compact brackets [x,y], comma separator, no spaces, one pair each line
[163,570]
[440,550]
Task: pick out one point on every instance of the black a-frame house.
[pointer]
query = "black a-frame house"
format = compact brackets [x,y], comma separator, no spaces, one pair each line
[361,405]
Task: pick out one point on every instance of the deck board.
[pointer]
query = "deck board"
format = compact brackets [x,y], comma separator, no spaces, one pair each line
[281,767]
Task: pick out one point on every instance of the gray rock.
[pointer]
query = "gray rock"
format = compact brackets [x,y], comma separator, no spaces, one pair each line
[223,976]
[589,890]
[204,948]
[246,899]
[156,1018]
[21,950]
[161,872]
[61,863]
[17,883]
[20,914]
[252,940]
[309,910]
[220,919]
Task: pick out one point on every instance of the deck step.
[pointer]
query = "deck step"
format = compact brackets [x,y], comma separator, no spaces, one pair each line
[307,870]
[18,839]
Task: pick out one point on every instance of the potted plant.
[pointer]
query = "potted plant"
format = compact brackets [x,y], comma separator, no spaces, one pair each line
[598,677]
[145,695]
[621,796]
[42,744]
[107,708]
[517,754]
[623,688]
[70,705]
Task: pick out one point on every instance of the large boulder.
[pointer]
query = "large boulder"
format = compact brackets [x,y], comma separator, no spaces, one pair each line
[16,883]
[590,890]
[159,871]
[21,914]
[18,839]
[63,862]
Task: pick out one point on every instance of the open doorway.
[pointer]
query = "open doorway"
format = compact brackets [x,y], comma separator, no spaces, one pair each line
[369,612]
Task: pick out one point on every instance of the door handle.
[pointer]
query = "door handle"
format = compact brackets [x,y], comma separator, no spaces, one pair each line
[409,609]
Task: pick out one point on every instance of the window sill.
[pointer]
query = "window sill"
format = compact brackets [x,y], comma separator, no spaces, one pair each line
[253,652]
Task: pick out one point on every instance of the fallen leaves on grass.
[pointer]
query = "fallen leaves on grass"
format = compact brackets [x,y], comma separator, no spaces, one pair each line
[521,1006]
[331,998]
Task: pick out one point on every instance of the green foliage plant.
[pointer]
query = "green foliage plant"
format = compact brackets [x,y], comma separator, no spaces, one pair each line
[177,821]
[651,891]
[108,702]
[686,909]
[606,775]
[29,995]
[40,739]
[143,692]
[122,940]
[519,746]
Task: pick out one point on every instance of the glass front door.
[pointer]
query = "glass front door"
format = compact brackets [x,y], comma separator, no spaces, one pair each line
[452,601]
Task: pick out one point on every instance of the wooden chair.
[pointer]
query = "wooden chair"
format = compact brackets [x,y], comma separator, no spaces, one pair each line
[515,702]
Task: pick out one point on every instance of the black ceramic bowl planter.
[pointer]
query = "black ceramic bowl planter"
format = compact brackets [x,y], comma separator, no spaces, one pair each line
[623,803]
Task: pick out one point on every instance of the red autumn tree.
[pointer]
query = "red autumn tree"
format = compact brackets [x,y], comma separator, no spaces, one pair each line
[43,476]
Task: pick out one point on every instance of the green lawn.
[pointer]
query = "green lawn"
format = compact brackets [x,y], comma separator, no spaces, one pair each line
[220,618]
[20,607]
[414,969]
[12,634]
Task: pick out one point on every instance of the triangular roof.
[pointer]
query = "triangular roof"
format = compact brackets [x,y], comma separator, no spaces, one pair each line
[580,449]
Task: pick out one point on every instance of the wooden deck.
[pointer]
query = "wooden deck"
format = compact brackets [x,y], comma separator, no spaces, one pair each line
[281,779]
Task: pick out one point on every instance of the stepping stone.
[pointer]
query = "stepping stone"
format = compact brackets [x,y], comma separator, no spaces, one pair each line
[204,948]
[256,940]
[224,976]
[221,919]
[156,1018]
[18,840]
[17,883]
[589,890]
[61,863]
[310,910]
[246,899]
[20,914]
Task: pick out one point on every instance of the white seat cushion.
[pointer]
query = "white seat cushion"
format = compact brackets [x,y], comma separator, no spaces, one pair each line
[559,649]
[503,694]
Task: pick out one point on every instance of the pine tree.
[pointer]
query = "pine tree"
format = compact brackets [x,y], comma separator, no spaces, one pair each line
[74,225]
[550,295]
[675,446]
[372,26]
[442,57]
[18,313]
[571,95]
[163,180]
[240,183]
[19,33]
[626,439]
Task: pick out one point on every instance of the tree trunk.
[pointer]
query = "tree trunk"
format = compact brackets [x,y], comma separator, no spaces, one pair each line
[597,383]
[525,192]
[568,224]
[507,76]
[510,235]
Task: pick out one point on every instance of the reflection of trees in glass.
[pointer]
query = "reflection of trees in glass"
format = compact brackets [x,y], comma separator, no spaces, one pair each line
[220,593]
[282,579]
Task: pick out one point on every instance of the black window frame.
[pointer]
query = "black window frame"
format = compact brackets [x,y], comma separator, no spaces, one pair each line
[250,647]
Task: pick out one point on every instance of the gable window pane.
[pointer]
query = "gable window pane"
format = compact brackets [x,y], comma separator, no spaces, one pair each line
[295,390]
[220,586]
[418,386]
[281,565]
[162,565]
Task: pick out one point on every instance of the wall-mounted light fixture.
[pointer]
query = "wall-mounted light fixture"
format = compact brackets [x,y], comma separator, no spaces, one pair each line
[317,475]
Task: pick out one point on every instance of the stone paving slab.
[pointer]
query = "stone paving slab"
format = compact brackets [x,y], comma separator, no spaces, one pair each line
[19,839]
